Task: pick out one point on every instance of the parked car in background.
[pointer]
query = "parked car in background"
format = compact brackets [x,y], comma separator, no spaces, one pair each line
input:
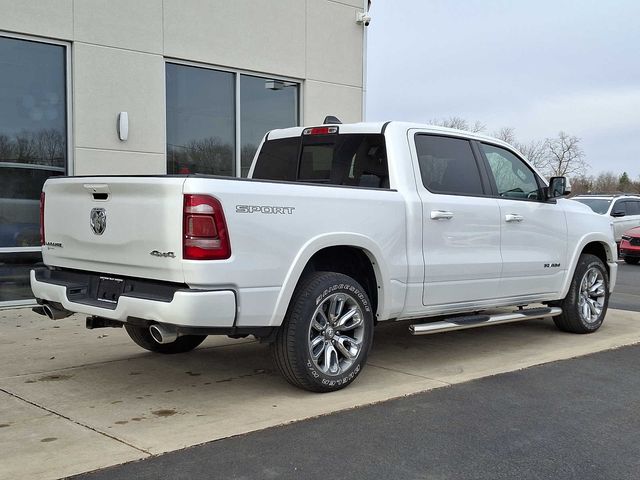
[623,209]
[630,246]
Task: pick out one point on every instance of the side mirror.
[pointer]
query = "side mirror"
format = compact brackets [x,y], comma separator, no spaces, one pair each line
[618,213]
[558,187]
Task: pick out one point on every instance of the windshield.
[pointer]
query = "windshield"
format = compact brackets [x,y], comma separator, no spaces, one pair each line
[598,205]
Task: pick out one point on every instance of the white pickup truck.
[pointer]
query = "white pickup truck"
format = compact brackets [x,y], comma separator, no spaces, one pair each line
[339,227]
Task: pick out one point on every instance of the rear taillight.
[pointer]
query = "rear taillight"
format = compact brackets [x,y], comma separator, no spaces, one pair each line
[41,218]
[205,235]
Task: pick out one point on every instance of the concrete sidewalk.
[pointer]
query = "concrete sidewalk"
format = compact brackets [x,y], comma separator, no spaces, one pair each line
[74,400]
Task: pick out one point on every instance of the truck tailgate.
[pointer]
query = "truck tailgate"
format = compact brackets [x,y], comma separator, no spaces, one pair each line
[130,226]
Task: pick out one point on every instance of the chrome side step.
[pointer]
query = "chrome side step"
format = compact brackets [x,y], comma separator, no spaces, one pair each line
[473,321]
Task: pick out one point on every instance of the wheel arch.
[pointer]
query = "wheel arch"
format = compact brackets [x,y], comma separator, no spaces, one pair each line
[599,246]
[343,253]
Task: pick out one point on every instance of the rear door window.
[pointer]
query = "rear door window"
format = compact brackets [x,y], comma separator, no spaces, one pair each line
[447,165]
[633,207]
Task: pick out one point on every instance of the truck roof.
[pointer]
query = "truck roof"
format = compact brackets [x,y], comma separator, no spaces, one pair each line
[379,127]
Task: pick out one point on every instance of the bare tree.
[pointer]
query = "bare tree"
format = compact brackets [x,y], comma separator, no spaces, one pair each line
[606,182]
[556,156]
[478,127]
[460,123]
[6,148]
[535,151]
[208,155]
[582,184]
[49,146]
[506,134]
[564,156]
[25,150]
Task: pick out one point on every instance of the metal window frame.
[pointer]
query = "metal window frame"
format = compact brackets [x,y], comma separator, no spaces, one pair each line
[69,130]
[237,72]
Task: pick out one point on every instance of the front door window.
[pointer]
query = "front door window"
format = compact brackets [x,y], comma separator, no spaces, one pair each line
[514,179]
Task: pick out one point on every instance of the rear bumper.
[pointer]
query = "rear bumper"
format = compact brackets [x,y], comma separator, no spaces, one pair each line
[186,307]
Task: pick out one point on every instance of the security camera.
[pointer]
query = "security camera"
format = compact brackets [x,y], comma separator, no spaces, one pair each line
[363,18]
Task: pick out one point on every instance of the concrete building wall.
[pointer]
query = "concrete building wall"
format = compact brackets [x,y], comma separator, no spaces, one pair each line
[119,49]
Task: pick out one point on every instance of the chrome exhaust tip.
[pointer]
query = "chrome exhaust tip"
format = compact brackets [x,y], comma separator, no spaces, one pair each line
[163,333]
[55,313]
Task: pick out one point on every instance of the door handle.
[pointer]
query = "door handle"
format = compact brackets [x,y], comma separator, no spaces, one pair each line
[441,215]
[513,217]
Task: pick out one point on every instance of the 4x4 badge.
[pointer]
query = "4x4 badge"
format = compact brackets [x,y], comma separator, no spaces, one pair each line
[98,220]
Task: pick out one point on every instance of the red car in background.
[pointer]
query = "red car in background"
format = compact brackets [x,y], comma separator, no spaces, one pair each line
[630,246]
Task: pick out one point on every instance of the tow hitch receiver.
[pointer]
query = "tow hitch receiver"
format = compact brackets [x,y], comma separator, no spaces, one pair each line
[101,322]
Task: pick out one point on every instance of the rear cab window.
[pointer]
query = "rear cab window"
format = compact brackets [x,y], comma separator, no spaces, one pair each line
[358,160]
[633,207]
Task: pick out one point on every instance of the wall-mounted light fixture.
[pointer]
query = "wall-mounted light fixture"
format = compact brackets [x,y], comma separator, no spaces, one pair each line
[123,126]
[278,84]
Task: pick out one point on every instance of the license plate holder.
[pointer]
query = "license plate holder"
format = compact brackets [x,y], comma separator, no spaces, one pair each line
[109,289]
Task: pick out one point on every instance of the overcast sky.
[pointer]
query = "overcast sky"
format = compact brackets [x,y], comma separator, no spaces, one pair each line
[538,66]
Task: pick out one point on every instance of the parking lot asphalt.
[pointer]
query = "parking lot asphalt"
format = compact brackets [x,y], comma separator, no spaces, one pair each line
[626,295]
[573,419]
[75,401]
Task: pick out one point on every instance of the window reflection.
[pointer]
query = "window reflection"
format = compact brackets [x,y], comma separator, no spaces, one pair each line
[201,118]
[200,121]
[14,275]
[33,135]
[265,104]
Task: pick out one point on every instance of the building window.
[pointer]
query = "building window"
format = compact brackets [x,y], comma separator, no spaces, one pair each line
[265,104]
[216,119]
[33,147]
[200,121]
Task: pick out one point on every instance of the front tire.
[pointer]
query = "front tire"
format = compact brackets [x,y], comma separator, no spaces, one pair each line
[326,336]
[142,337]
[585,306]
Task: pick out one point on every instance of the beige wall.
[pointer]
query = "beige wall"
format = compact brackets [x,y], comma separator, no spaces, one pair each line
[119,49]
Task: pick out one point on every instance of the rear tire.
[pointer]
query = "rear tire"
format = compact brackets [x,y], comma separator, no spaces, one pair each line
[143,338]
[326,336]
[585,306]
[632,260]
